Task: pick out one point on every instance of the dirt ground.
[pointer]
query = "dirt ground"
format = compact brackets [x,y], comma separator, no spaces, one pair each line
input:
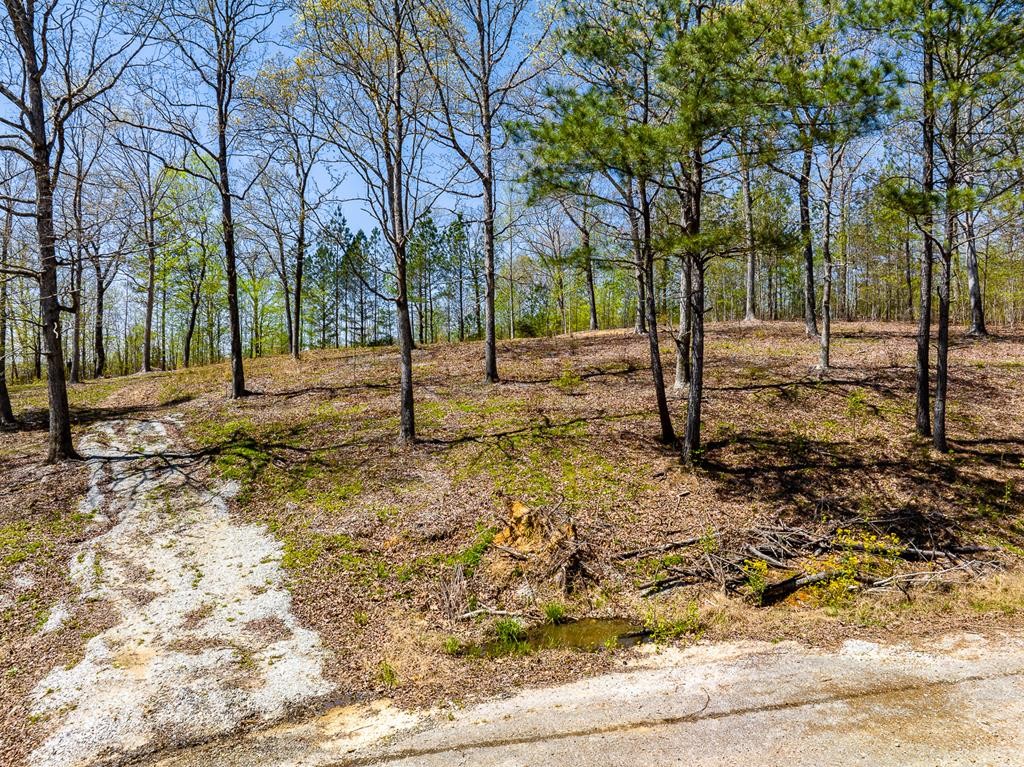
[519,496]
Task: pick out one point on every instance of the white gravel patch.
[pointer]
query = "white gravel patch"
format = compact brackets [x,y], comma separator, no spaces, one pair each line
[183,663]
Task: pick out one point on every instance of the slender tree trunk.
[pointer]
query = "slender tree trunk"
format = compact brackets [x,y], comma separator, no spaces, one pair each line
[7,419]
[147,341]
[691,442]
[974,280]
[924,329]
[668,436]
[475,274]
[810,321]
[588,270]
[490,338]
[190,332]
[286,291]
[908,275]
[300,258]
[462,308]
[750,307]
[99,342]
[685,323]
[228,224]
[942,348]
[638,265]
[37,351]
[945,279]
[76,315]
[826,302]
[826,254]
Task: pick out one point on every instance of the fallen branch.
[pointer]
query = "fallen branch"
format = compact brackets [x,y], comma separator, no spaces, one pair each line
[489,611]
[913,554]
[647,551]
[758,554]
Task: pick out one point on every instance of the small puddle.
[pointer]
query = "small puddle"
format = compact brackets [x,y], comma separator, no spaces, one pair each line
[586,635]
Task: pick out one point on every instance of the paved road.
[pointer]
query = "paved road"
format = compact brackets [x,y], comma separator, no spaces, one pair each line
[956,701]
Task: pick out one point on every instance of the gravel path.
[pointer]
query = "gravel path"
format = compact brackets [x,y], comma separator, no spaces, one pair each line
[205,642]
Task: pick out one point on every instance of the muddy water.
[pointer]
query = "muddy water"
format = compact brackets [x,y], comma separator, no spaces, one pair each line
[587,635]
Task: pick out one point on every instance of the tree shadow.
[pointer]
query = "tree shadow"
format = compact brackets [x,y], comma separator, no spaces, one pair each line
[927,500]
[38,419]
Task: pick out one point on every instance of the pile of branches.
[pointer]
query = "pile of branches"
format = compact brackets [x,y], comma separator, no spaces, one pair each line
[808,555]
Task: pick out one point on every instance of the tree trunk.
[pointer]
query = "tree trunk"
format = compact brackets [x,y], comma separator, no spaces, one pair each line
[691,442]
[407,429]
[650,307]
[974,280]
[490,335]
[640,326]
[228,224]
[942,353]
[60,444]
[286,290]
[99,343]
[750,308]
[810,321]
[7,419]
[924,327]
[190,332]
[826,306]
[945,279]
[826,254]
[685,324]
[588,270]
[908,277]
[460,279]
[76,316]
[147,341]
[300,258]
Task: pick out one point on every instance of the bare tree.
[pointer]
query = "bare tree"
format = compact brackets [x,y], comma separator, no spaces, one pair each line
[57,58]
[379,104]
[146,183]
[484,65]
[287,116]
[217,42]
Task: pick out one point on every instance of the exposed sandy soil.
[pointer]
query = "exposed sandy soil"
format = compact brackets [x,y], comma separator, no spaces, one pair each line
[204,638]
[373,535]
